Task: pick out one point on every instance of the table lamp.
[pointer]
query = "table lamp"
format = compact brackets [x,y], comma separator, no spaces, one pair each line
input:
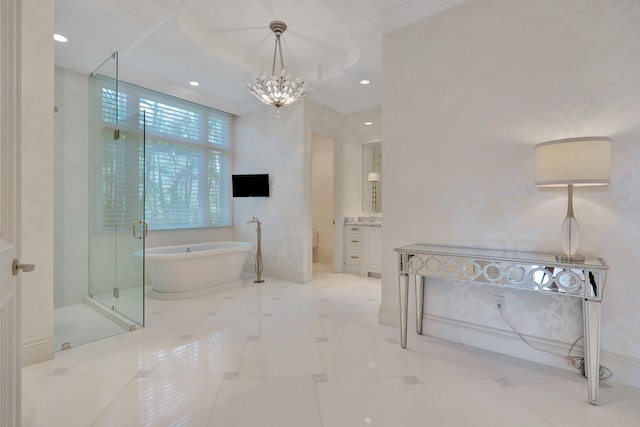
[567,163]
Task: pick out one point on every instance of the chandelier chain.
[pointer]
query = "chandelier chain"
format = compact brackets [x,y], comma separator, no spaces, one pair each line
[276,49]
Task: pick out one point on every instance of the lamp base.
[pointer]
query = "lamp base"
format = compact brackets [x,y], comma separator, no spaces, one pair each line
[578,259]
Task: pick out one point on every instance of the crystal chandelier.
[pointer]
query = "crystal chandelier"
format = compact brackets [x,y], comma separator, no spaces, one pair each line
[277,90]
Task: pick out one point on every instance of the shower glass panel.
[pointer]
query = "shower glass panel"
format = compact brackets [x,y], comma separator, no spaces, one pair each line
[116,226]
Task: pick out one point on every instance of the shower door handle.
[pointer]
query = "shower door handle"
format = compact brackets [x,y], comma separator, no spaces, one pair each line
[135,229]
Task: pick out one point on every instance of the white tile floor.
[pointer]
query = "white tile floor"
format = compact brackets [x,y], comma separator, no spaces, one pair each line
[285,354]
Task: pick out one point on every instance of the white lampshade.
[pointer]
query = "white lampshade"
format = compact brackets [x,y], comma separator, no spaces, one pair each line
[578,161]
[373,177]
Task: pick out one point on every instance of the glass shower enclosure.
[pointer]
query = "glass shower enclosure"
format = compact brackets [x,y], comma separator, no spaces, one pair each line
[99,186]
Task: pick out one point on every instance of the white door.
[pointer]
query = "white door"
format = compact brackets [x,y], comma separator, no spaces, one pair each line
[10,348]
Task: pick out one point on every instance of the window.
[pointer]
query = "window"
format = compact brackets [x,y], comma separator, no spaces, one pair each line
[184,160]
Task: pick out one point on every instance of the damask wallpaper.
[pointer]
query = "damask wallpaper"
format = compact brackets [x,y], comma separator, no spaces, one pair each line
[466,96]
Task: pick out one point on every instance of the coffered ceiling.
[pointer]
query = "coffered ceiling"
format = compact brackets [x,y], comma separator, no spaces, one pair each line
[332,44]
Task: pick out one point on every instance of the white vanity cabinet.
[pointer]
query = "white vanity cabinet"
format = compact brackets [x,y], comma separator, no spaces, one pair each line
[372,248]
[363,249]
[353,248]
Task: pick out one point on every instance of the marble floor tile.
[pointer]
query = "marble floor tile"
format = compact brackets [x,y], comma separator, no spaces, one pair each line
[267,402]
[563,404]
[281,358]
[477,404]
[378,402]
[291,327]
[71,400]
[213,354]
[362,359]
[185,400]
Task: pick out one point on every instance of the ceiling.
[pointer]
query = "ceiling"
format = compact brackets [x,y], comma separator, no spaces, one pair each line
[331,44]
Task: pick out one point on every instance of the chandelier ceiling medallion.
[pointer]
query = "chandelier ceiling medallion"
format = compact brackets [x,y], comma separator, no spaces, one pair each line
[277,90]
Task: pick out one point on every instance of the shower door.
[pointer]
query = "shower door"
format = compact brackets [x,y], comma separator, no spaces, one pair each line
[117,242]
[131,228]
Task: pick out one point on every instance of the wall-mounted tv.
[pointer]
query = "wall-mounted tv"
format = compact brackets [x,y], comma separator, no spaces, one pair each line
[254,185]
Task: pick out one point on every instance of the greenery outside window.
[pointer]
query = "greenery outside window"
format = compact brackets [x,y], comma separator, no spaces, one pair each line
[183,171]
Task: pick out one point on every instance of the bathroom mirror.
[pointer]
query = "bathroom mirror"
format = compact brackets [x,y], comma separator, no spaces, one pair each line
[372,177]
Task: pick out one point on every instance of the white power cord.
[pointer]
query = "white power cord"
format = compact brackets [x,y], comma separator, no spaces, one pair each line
[576,361]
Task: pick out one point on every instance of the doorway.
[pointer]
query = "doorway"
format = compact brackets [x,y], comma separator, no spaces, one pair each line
[323,202]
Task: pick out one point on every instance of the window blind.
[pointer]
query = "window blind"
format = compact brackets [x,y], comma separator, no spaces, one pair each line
[180,171]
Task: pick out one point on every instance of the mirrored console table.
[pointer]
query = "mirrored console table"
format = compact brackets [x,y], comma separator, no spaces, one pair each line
[530,271]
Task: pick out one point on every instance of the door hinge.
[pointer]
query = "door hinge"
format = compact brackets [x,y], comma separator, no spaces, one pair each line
[116,292]
[116,134]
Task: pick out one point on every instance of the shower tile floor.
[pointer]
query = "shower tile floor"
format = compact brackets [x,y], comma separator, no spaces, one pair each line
[81,323]
[282,354]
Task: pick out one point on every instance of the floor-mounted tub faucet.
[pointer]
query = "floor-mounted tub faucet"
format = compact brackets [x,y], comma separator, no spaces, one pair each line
[259,265]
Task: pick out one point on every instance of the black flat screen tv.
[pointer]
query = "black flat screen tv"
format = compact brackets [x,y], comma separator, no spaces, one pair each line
[254,185]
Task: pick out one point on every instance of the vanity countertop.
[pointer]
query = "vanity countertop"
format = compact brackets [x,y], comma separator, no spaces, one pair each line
[369,221]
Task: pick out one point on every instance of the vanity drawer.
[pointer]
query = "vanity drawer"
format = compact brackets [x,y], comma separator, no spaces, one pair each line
[353,229]
[353,241]
[353,257]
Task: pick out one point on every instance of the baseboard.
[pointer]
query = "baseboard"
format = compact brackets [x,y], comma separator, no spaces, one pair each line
[37,350]
[626,369]
[276,273]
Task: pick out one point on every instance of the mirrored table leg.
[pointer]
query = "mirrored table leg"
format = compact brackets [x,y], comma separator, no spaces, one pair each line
[403,286]
[591,315]
[419,282]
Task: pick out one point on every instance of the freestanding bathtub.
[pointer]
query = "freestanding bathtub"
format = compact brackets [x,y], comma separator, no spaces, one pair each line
[186,271]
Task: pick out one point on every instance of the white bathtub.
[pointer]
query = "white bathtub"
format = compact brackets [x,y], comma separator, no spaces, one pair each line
[186,271]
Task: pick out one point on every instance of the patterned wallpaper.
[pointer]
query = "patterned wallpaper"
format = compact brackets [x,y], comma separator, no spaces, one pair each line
[266,144]
[467,95]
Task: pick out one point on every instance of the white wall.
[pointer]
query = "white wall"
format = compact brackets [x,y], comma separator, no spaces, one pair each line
[266,144]
[467,95]
[71,182]
[36,193]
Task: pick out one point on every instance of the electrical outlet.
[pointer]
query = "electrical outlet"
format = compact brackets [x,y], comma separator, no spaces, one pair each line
[500,300]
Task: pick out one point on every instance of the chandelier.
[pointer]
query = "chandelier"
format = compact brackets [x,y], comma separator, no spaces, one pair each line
[277,90]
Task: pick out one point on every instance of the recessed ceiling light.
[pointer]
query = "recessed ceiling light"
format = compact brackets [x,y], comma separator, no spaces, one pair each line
[194,83]
[368,123]
[365,82]
[60,38]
